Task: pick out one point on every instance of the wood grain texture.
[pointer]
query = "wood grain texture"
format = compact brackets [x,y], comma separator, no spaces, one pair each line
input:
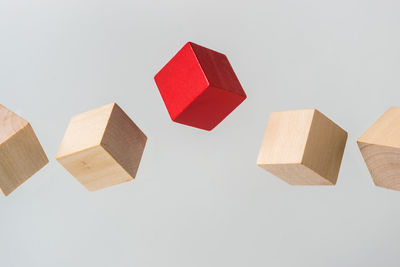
[95,168]
[385,131]
[124,140]
[302,147]
[325,147]
[11,123]
[380,148]
[85,130]
[102,147]
[21,154]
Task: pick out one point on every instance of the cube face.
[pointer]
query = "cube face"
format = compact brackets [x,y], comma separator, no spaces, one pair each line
[380,148]
[207,110]
[199,87]
[102,147]
[285,137]
[21,154]
[124,140]
[95,168]
[325,147]
[383,164]
[85,130]
[385,131]
[11,123]
[302,147]
[217,70]
[180,81]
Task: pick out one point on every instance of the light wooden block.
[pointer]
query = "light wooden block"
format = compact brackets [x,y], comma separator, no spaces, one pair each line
[380,148]
[102,147]
[302,147]
[21,154]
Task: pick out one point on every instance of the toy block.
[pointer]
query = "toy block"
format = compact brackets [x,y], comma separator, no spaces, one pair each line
[302,147]
[21,154]
[102,147]
[199,87]
[380,148]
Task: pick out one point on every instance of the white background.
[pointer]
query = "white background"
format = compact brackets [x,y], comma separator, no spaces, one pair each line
[199,199]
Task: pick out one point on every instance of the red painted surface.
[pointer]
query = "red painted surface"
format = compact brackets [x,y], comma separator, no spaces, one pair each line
[199,87]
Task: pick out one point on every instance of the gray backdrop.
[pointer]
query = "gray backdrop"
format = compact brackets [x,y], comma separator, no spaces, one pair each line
[199,199]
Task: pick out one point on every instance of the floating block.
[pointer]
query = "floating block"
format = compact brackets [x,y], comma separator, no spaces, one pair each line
[199,87]
[380,148]
[102,147]
[302,147]
[21,154]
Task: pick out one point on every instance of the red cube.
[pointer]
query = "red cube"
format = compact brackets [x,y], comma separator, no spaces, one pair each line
[199,87]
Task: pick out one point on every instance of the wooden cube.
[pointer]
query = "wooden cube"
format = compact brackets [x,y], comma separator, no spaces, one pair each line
[302,147]
[380,148]
[102,147]
[199,87]
[21,154]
